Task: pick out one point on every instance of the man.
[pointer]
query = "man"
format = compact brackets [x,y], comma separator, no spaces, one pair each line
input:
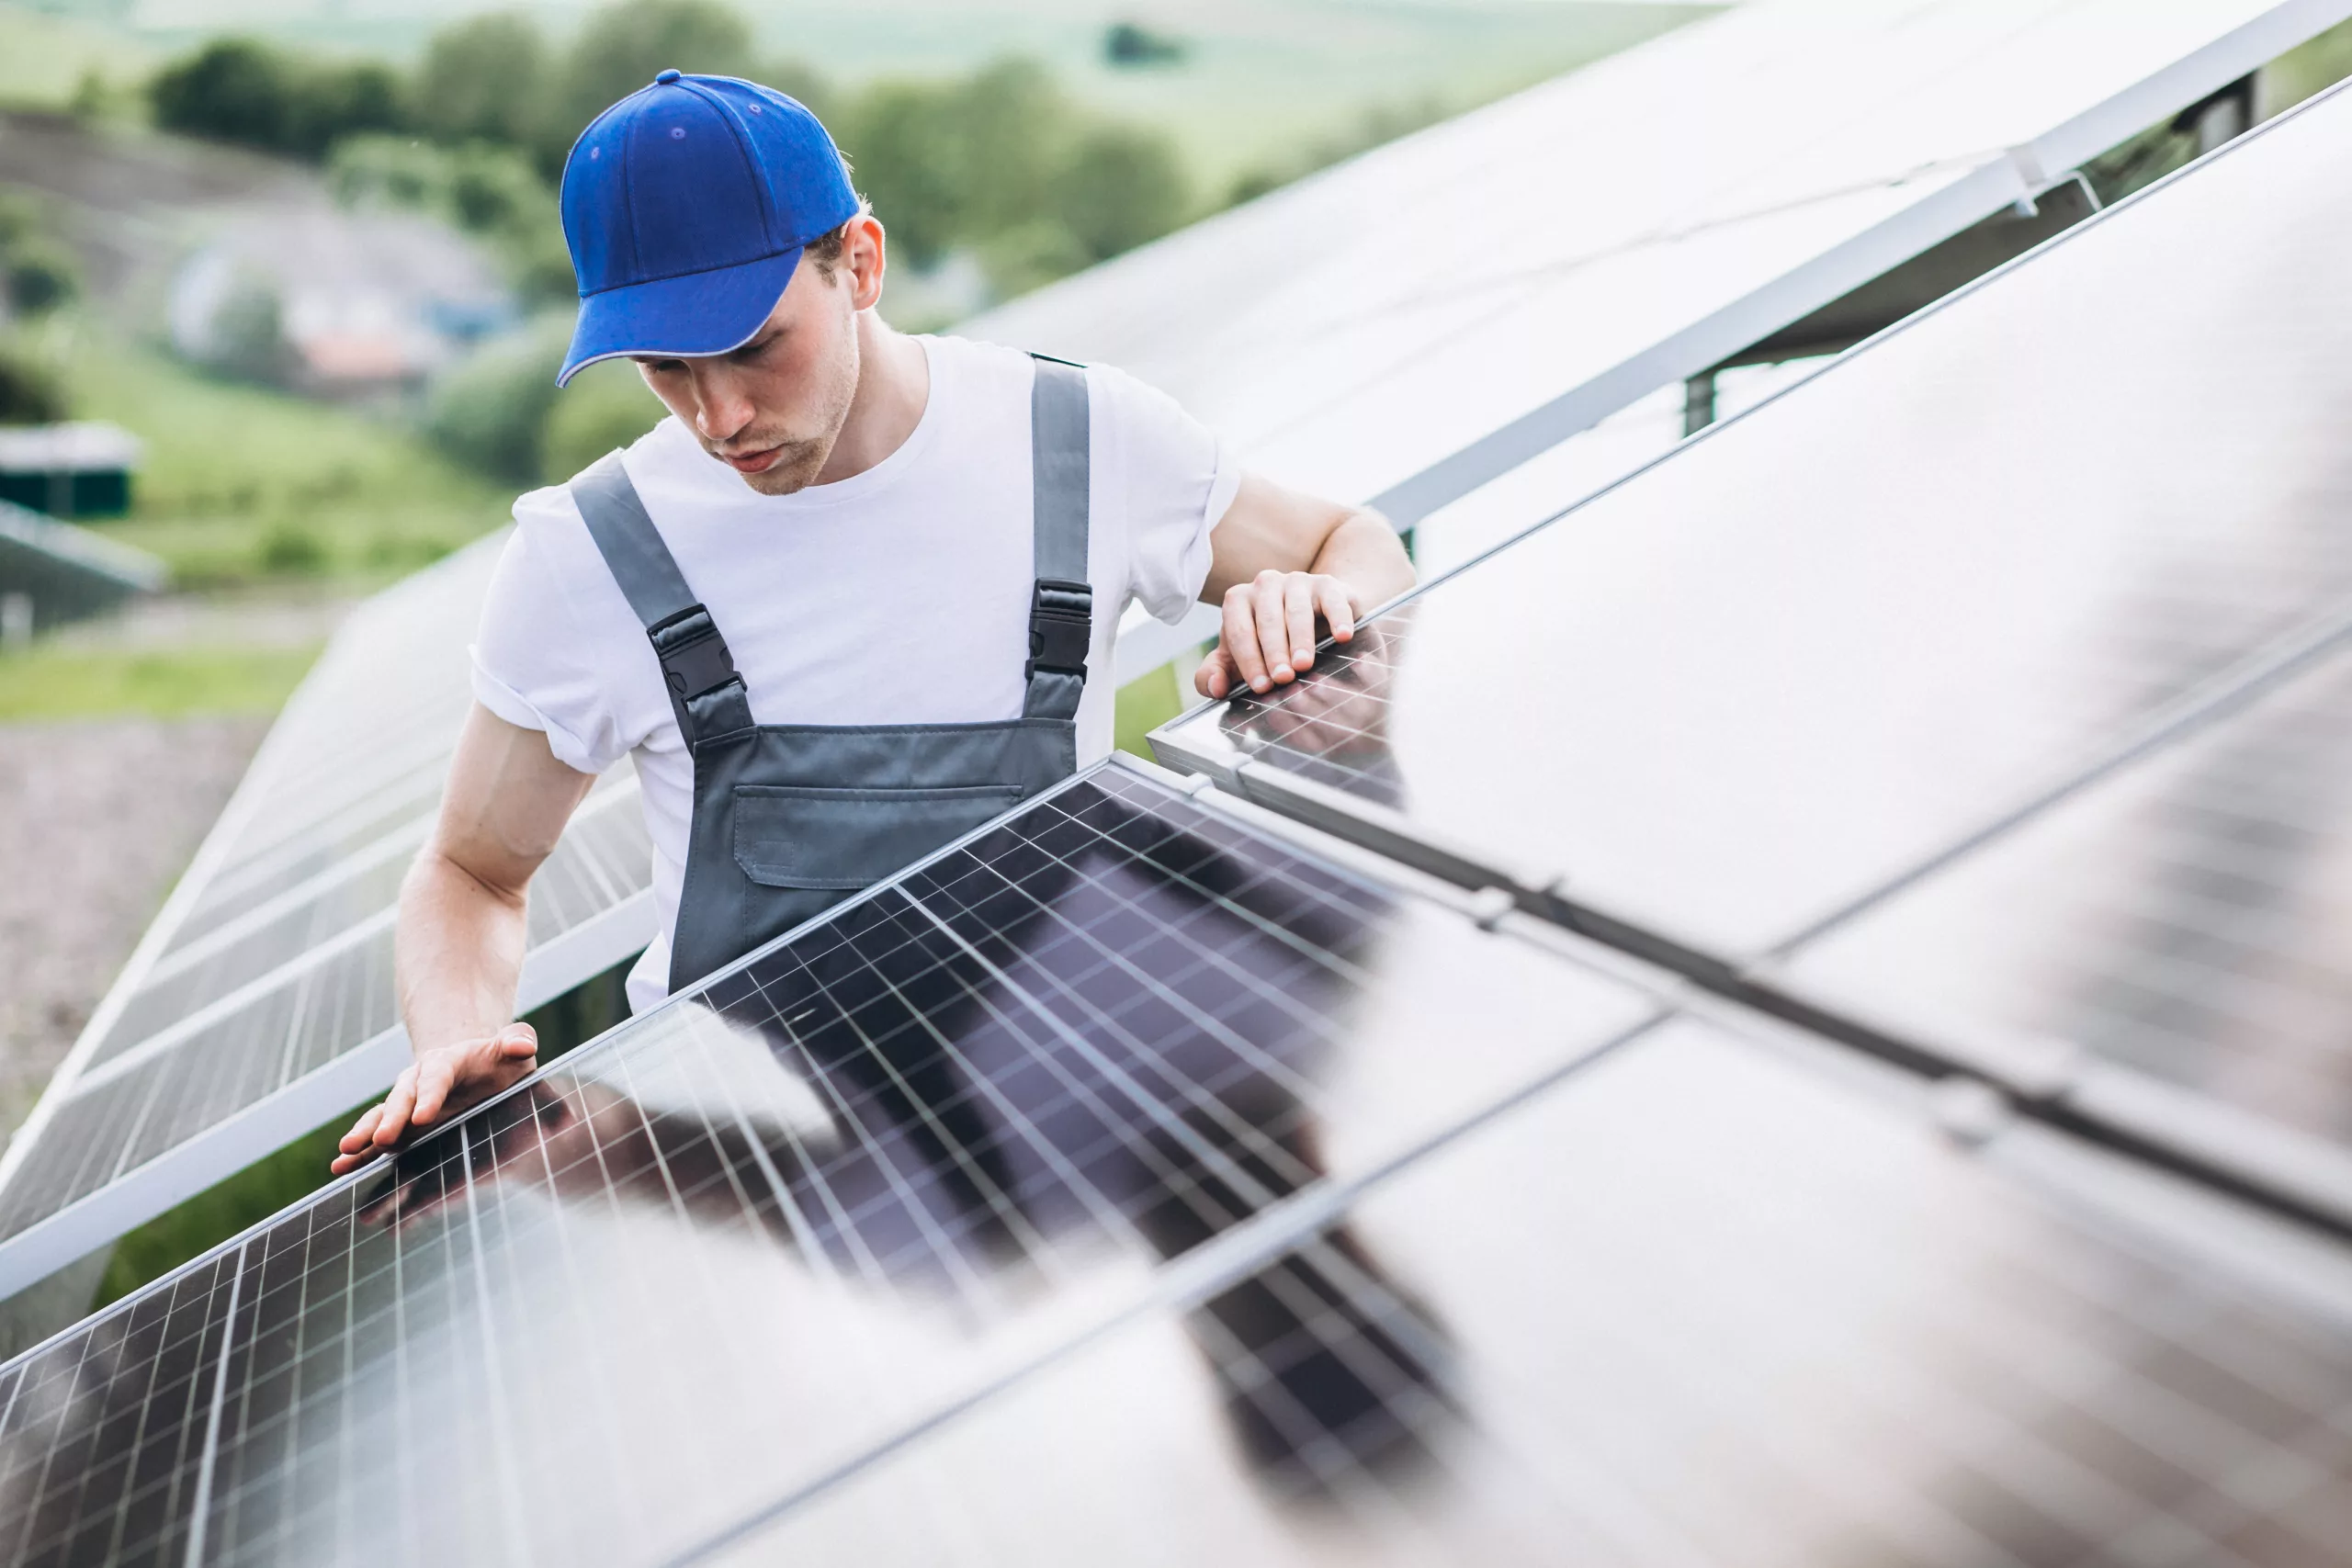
[855,597]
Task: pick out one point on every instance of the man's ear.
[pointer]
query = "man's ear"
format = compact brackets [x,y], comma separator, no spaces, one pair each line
[865,257]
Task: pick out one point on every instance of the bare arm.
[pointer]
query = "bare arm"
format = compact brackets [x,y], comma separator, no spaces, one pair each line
[1282,561]
[458,950]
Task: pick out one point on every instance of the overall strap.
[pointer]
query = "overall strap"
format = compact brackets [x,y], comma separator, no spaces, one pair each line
[705,690]
[1061,605]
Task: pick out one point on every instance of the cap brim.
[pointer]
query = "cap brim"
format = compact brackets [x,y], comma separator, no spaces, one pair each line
[679,318]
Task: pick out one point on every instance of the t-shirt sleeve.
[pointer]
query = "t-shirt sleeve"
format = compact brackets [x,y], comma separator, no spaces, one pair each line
[1177,478]
[533,663]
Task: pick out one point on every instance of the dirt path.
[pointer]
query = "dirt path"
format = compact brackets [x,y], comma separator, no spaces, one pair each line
[97,818]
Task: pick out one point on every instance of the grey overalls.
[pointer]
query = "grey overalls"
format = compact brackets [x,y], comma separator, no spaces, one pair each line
[791,818]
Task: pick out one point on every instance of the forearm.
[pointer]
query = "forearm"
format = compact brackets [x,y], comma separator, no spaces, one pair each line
[1364,553]
[457,954]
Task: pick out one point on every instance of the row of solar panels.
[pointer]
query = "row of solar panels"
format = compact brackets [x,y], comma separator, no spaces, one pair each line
[261,1002]
[1636,222]
[1154,1177]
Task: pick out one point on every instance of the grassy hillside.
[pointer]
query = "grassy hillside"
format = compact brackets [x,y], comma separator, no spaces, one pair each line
[242,483]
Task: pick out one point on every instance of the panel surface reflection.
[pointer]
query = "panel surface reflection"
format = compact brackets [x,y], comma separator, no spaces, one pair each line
[2190,917]
[1694,1304]
[1818,646]
[702,1264]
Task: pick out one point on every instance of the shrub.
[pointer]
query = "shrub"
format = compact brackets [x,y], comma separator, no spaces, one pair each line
[489,412]
[31,391]
[291,549]
[606,406]
[40,275]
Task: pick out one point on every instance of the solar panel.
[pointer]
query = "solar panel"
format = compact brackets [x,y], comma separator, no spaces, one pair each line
[261,1003]
[924,1144]
[1405,327]
[1818,648]
[1699,1303]
[2183,920]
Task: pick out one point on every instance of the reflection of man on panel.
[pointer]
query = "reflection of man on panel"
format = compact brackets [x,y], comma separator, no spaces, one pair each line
[969,1132]
[892,619]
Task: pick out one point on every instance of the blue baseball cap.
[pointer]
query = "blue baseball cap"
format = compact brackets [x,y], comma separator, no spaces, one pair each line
[686,206]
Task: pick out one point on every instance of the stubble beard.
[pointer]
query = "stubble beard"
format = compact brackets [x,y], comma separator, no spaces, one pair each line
[802,460]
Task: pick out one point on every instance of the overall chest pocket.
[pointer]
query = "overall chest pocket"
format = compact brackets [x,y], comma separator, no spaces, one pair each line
[802,836]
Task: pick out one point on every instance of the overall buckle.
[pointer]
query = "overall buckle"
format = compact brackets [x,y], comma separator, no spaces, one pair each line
[1061,626]
[693,657]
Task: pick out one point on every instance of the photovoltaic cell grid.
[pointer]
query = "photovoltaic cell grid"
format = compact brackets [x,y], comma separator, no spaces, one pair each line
[1095,1182]
[1792,1326]
[274,960]
[1741,692]
[709,1260]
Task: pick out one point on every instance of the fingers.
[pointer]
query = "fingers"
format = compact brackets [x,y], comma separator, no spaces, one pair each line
[1273,635]
[363,1132]
[1240,644]
[358,1145]
[1339,610]
[434,1074]
[393,1120]
[428,1089]
[1298,619]
[1215,677]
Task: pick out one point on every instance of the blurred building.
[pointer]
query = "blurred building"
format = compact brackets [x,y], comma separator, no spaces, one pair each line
[78,469]
[337,304]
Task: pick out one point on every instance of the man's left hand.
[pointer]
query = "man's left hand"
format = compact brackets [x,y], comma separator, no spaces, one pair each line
[1271,631]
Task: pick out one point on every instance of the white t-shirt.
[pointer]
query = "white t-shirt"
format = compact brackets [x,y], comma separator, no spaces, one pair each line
[899,596]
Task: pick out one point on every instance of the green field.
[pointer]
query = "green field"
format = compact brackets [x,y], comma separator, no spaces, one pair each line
[51,682]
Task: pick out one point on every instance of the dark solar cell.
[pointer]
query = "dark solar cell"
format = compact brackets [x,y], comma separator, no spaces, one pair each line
[1692,1304]
[103,1436]
[2189,916]
[880,1167]
[1752,685]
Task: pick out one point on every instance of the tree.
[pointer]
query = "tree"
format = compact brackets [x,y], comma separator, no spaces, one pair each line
[231,90]
[1012,129]
[623,47]
[331,102]
[243,91]
[481,81]
[902,140]
[1123,187]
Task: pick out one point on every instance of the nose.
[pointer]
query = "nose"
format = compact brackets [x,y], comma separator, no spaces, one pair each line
[721,408]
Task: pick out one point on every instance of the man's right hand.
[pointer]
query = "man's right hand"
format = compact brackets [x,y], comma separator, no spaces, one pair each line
[443,1080]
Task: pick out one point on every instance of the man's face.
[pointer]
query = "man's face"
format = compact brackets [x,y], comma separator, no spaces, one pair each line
[773,409]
